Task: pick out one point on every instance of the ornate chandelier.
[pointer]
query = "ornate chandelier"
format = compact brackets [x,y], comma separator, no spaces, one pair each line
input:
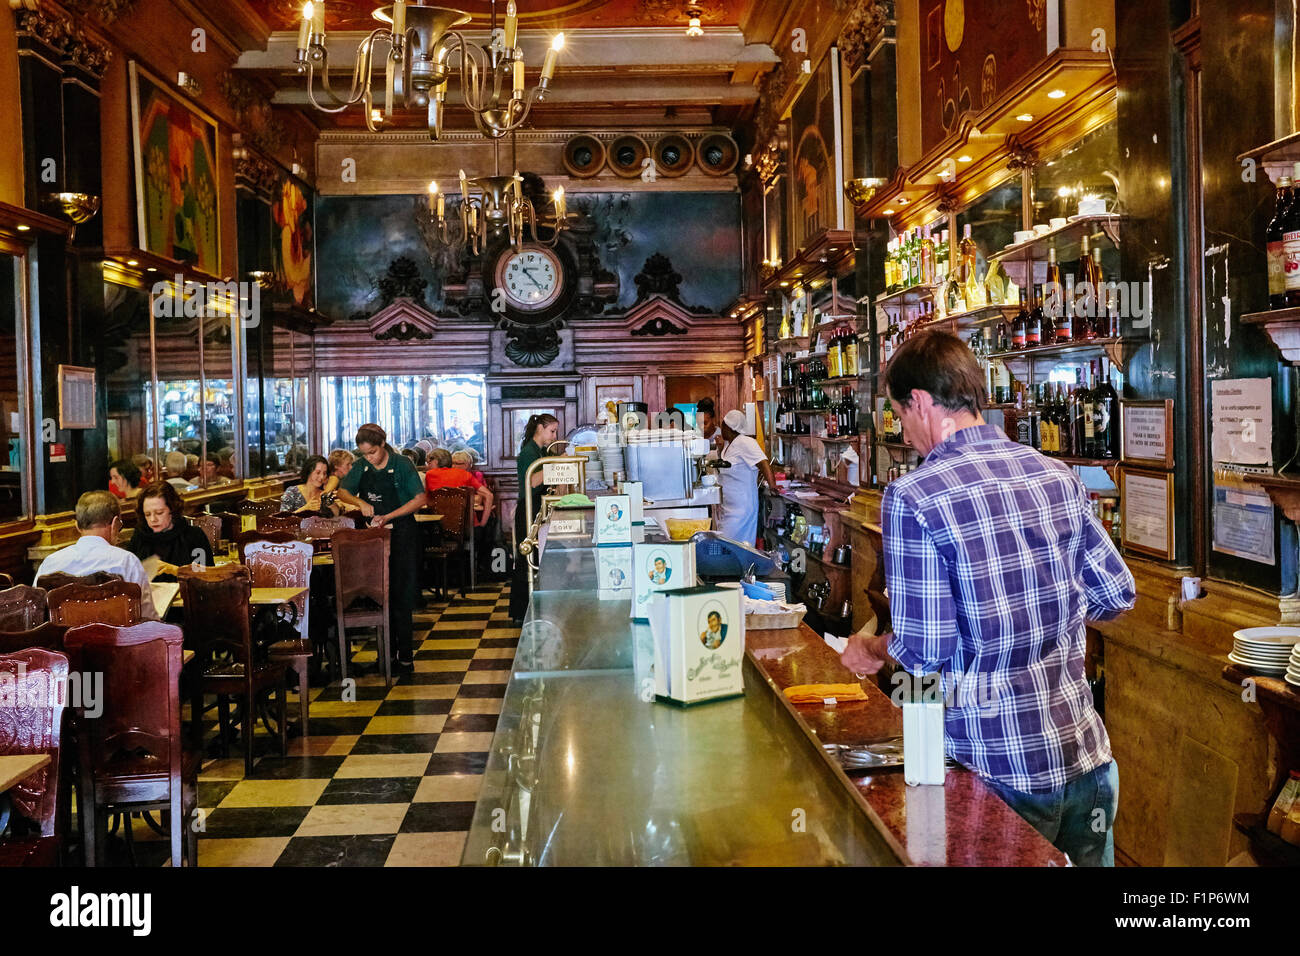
[493,205]
[425,50]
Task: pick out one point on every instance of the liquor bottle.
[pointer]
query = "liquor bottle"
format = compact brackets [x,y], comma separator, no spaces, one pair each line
[1065,425]
[784,332]
[914,258]
[1002,335]
[1291,247]
[1101,322]
[1273,237]
[1035,415]
[1088,447]
[851,352]
[1002,385]
[927,257]
[943,265]
[1090,282]
[1110,328]
[1105,416]
[887,420]
[1022,415]
[1046,415]
[1062,327]
[802,400]
[1078,402]
[833,355]
[1020,330]
[1034,324]
[853,413]
[971,285]
[780,415]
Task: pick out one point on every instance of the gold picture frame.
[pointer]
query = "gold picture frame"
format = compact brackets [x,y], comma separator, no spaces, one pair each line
[1146,500]
[76,397]
[1140,422]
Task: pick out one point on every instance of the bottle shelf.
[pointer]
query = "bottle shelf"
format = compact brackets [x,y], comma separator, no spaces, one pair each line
[1067,240]
[1283,327]
[895,446]
[793,342]
[841,380]
[908,296]
[1097,346]
[971,318]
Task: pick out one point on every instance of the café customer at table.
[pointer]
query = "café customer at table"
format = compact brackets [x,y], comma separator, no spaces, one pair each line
[162,531]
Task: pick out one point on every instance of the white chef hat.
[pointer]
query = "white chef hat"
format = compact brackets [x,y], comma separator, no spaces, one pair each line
[735,420]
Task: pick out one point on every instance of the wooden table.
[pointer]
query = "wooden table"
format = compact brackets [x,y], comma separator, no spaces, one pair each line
[425,517]
[264,596]
[16,768]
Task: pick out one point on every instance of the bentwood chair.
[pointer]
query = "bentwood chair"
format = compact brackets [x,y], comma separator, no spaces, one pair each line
[361,591]
[211,526]
[227,661]
[6,581]
[317,527]
[132,753]
[58,579]
[116,603]
[287,565]
[259,509]
[22,607]
[456,505]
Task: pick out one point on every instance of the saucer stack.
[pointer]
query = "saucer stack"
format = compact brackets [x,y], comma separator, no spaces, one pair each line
[1293,667]
[1267,650]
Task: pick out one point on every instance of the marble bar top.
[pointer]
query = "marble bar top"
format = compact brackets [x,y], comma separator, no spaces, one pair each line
[962,823]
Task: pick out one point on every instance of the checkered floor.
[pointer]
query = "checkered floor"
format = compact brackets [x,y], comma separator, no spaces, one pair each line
[389,779]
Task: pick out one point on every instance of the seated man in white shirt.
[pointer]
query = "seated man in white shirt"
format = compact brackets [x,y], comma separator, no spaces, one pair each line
[95,550]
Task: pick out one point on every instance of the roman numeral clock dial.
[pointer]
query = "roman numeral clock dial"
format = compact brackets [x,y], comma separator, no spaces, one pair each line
[531,278]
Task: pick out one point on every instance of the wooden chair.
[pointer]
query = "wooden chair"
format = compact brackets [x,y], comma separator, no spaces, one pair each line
[132,754]
[6,580]
[22,607]
[211,526]
[57,579]
[361,575]
[227,662]
[245,538]
[317,527]
[46,635]
[116,603]
[287,565]
[281,521]
[456,505]
[35,726]
[267,506]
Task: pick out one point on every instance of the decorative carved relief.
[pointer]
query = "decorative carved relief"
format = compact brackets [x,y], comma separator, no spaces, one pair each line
[254,172]
[533,346]
[864,26]
[658,278]
[403,321]
[63,39]
[107,10]
[253,113]
[659,326]
[402,280]
[1022,158]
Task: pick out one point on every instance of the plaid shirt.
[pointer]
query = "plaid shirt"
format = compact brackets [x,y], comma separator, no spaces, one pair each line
[994,559]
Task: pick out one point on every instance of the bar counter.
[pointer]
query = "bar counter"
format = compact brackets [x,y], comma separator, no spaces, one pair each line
[586,768]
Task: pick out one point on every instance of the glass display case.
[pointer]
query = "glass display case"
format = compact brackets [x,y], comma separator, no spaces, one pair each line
[447,411]
[14,503]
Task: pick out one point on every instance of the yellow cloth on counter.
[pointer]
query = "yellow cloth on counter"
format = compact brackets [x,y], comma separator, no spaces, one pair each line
[816,693]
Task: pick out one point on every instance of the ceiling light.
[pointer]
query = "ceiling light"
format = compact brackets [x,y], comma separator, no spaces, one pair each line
[150,269]
[693,27]
[784,284]
[1056,94]
[132,262]
[23,227]
[888,212]
[963,159]
[1026,117]
[903,200]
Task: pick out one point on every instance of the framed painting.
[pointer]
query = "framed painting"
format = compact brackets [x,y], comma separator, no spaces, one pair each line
[292,249]
[816,155]
[176,184]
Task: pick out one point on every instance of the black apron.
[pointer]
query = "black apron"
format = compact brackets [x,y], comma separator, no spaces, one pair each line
[379,489]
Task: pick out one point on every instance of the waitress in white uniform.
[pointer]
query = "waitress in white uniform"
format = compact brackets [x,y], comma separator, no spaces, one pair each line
[738,513]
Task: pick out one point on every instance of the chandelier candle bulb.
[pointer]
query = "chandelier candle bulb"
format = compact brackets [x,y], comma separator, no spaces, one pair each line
[519,77]
[548,67]
[318,17]
[512,26]
[560,212]
[304,31]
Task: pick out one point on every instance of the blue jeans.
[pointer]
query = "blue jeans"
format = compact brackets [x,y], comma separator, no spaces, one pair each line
[1078,819]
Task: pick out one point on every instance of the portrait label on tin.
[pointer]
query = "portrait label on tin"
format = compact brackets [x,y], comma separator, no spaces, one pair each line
[712,625]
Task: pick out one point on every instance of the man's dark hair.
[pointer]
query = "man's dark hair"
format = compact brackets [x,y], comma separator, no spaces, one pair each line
[941,364]
[129,472]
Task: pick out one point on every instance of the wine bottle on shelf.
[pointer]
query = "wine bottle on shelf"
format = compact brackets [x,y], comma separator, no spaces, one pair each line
[1035,415]
[1085,325]
[1291,246]
[1022,415]
[1089,444]
[1274,237]
[1054,306]
[1105,416]
[1077,400]
[1034,324]
[833,355]
[887,420]
[943,265]
[972,287]
[851,366]
[1020,329]
[927,257]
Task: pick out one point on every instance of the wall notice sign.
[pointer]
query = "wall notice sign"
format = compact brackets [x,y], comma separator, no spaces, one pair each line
[1148,433]
[1243,420]
[560,473]
[1243,521]
[1147,501]
[58,452]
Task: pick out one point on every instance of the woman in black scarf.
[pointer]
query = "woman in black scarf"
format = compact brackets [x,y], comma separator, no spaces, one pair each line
[162,531]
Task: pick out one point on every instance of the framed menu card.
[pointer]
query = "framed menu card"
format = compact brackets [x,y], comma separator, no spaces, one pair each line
[1147,508]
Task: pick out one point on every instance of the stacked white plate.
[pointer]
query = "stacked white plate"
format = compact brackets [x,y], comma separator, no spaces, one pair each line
[1268,650]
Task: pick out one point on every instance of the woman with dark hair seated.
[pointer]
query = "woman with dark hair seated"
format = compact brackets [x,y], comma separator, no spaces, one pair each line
[310,496]
[163,531]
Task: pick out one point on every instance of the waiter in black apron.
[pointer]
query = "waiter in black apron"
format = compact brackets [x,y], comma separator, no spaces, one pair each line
[388,490]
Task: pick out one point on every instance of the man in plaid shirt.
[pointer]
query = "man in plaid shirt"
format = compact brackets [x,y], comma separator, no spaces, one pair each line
[994,561]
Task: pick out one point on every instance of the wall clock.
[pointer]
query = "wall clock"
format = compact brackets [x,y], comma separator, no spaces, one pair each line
[530,278]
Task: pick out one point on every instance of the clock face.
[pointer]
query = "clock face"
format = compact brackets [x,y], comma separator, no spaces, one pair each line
[531,278]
